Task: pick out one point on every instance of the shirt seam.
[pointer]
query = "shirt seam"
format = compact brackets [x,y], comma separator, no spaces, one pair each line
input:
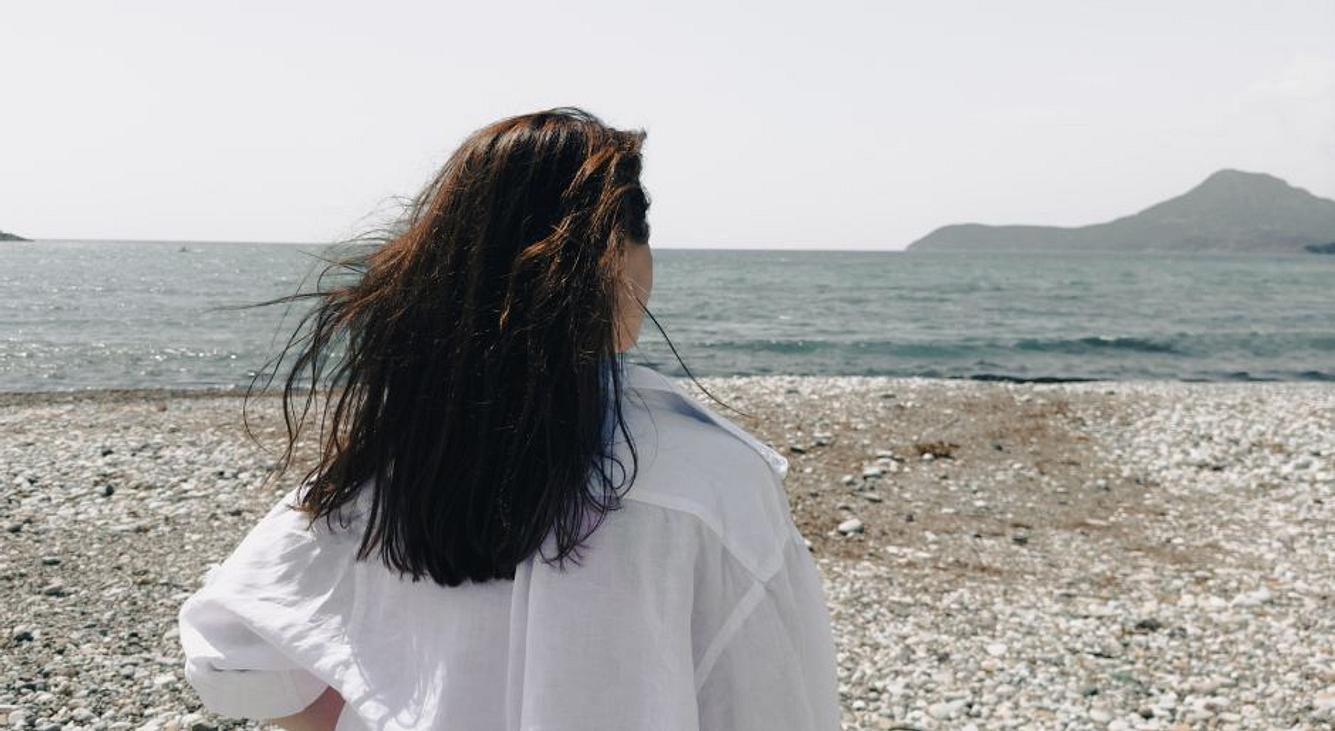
[741,612]
[684,505]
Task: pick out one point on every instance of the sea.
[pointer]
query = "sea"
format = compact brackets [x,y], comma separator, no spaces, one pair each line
[78,315]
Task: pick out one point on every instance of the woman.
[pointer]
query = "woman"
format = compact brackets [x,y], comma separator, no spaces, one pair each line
[468,552]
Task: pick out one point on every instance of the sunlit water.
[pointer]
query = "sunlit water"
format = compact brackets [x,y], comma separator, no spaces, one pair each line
[77,315]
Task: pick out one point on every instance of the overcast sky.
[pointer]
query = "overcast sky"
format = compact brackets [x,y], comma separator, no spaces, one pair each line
[771,124]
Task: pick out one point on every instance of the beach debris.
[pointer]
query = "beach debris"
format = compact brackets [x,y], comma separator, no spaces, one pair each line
[938,449]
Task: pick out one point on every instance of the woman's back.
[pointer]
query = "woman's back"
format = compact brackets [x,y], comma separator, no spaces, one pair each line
[694,605]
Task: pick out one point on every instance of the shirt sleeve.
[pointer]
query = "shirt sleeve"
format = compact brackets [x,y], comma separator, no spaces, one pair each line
[771,663]
[249,607]
[258,692]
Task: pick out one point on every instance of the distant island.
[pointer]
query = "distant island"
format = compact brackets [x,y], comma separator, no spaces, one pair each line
[1230,212]
[4,236]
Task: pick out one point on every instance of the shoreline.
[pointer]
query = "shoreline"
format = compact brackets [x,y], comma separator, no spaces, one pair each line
[114,393]
[1148,555]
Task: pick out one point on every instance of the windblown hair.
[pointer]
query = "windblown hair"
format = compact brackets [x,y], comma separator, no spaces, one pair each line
[469,360]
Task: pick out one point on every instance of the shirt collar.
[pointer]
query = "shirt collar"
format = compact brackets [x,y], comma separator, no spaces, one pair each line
[645,378]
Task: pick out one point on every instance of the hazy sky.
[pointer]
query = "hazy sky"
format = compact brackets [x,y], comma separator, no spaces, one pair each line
[771,124]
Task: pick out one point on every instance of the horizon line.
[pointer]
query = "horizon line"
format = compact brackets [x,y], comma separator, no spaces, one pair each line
[225,242]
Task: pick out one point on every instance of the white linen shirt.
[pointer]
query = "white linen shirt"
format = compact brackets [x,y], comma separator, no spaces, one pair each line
[695,606]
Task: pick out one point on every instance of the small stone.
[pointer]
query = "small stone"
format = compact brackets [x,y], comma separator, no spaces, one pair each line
[196,722]
[1253,598]
[945,711]
[55,588]
[50,560]
[996,649]
[850,526]
[108,490]
[21,634]
[872,471]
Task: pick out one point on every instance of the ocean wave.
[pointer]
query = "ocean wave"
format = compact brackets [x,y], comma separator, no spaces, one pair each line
[1094,343]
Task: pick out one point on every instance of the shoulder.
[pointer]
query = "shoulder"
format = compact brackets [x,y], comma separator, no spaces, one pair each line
[693,460]
[282,545]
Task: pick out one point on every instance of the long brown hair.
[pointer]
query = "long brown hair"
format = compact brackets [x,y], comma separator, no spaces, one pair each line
[469,358]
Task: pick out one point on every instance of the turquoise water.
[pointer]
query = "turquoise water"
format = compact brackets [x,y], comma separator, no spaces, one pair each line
[77,315]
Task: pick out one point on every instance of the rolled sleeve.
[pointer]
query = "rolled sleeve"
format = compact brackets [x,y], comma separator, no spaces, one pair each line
[255,694]
[235,672]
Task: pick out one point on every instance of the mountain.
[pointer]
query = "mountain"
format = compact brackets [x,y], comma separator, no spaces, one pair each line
[11,237]
[1231,211]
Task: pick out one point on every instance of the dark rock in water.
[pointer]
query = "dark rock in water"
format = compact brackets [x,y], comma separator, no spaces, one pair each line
[1321,248]
[1231,211]
[11,237]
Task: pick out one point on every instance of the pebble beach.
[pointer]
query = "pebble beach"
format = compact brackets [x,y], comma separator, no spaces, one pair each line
[1104,555]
